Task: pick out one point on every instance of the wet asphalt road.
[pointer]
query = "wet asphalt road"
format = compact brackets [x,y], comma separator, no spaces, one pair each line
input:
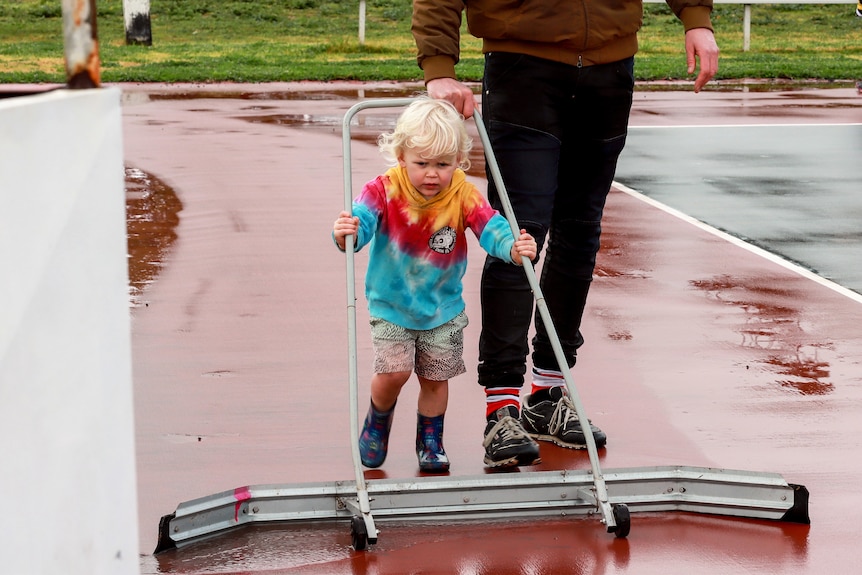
[794,190]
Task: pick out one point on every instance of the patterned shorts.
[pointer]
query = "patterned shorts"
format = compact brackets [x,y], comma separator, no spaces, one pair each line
[436,354]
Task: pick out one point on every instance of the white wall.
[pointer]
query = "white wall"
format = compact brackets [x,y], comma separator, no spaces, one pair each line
[67,465]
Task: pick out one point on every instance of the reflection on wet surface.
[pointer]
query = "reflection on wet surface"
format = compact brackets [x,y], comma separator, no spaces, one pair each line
[752,85]
[365,128]
[790,89]
[152,216]
[616,259]
[400,91]
[774,329]
[369,125]
[286,546]
[264,547]
[552,546]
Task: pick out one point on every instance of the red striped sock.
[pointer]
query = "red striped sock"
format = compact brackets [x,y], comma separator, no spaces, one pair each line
[497,397]
[545,379]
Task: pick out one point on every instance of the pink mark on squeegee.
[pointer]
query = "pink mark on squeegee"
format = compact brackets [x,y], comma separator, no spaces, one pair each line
[240,494]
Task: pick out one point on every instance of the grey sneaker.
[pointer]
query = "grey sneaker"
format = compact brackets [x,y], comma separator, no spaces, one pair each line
[507,444]
[555,420]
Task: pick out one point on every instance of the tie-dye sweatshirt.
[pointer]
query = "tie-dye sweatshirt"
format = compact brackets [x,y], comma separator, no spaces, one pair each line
[418,251]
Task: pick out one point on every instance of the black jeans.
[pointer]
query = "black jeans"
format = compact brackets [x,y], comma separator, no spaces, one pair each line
[556,131]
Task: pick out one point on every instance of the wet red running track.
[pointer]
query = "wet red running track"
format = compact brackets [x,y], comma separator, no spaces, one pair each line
[699,352]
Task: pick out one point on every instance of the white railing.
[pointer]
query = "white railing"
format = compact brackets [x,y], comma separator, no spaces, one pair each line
[746,18]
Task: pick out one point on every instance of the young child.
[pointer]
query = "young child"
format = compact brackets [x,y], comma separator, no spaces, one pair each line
[414,217]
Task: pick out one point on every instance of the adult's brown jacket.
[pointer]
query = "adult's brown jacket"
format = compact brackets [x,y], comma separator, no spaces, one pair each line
[577,32]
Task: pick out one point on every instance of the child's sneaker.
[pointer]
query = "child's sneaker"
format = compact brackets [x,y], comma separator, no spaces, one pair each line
[555,420]
[506,443]
[429,444]
[374,439]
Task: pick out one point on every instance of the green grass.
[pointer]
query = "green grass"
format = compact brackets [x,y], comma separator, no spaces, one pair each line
[290,40]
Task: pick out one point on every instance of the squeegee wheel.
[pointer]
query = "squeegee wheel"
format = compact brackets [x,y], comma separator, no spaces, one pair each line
[623,520]
[358,533]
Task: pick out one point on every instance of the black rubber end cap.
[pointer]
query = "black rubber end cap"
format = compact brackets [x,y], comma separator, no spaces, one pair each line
[799,512]
[165,542]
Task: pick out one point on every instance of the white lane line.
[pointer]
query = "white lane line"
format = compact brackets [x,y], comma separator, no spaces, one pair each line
[770,125]
[808,274]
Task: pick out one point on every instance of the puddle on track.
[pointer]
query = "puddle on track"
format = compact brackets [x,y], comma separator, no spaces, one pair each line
[152,216]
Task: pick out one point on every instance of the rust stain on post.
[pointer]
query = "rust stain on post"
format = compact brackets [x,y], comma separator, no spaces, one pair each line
[81,43]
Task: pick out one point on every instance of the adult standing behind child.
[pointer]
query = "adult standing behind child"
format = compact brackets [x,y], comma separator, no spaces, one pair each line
[556,96]
[414,217]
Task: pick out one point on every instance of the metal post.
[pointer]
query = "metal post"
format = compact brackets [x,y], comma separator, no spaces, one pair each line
[81,44]
[361,22]
[136,15]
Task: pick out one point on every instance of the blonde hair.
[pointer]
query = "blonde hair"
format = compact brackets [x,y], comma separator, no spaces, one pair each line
[432,128]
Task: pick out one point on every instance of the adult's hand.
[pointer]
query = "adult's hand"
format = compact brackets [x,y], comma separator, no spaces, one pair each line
[455,93]
[700,45]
